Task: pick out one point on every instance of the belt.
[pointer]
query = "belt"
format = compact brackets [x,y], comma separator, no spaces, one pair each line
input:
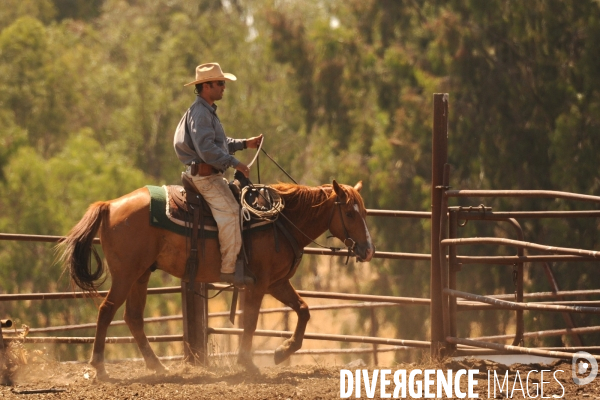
[203,169]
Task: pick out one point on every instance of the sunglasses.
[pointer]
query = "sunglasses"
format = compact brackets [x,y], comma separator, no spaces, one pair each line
[220,83]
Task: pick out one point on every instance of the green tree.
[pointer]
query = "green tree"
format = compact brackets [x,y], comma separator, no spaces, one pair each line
[11,138]
[47,197]
[42,10]
[35,81]
[78,9]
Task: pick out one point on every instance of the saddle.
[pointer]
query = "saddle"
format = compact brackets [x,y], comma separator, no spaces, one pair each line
[183,199]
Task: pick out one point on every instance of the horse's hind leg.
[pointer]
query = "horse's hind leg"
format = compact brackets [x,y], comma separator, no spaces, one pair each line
[134,317]
[285,293]
[115,298]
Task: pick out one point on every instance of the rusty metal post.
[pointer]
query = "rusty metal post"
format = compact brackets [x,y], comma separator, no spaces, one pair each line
[194,306]
[439,158]
[566,316]
[518,280]
[453,269]
[444,272]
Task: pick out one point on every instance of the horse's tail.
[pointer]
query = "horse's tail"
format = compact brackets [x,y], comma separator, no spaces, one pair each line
[77,248]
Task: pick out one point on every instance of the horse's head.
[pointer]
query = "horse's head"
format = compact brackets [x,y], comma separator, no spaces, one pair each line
[348,221]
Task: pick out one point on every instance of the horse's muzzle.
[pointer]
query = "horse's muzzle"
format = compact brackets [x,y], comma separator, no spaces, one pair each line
[364,252]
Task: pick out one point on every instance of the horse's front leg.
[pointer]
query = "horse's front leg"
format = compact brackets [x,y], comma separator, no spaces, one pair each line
[253,299]
[285,293]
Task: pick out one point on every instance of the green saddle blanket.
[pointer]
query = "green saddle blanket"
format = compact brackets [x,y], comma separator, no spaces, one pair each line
[158,214]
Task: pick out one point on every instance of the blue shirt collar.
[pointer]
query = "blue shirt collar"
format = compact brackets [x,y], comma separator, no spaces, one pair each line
[212,108]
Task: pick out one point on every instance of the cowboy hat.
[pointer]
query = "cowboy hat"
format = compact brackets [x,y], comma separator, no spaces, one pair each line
[210,72]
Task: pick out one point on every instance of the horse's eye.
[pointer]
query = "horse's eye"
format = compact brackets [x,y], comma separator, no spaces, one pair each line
[349,214]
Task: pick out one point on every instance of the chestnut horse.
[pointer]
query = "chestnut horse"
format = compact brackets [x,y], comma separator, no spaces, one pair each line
[132,247]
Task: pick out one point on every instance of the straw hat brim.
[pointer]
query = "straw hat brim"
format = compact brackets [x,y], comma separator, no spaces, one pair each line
[226,76]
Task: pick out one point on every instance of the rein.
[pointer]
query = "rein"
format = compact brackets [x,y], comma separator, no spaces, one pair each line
[278,166]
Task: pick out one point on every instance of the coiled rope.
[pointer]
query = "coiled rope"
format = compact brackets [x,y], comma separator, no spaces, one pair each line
[269,196]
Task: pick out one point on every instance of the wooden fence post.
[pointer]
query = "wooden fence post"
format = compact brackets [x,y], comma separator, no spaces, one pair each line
[194,306]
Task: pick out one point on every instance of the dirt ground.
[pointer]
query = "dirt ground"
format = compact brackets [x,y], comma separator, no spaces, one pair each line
[130,380]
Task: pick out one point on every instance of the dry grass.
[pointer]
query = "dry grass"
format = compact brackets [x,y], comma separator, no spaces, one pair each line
[18,356]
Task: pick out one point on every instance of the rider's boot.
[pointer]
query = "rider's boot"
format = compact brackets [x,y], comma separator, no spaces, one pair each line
[238,278]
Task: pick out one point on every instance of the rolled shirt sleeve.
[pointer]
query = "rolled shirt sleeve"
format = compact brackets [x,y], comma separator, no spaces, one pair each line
[235,144]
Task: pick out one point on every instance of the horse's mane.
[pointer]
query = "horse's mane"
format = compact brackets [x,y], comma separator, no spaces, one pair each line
[305,200]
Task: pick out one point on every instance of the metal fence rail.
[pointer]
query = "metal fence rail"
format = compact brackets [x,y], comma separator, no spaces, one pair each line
[509,305]
[538,334]
[521,244]
[227,314]
[552,194]
[515,349]
[226,331]
[307,250]
[321,336]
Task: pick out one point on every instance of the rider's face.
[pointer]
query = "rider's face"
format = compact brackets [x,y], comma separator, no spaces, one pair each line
[216,89]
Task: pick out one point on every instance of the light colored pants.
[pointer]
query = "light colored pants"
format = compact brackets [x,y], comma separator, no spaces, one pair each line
[226,211]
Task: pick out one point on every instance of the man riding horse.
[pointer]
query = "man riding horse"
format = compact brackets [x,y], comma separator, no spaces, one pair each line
[201,144]
[133,247]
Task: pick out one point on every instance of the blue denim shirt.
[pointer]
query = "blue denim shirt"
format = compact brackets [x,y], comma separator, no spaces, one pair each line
[200,137]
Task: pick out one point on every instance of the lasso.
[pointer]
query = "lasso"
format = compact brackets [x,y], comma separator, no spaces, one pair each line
[266,195]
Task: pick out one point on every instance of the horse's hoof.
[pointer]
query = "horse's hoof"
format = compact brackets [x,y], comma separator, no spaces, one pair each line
[252,369]
[160,369]
[102,376]
[249,367]
[280,355]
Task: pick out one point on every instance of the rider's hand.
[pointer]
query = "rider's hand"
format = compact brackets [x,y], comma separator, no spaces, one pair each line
[243,168]
[254,142]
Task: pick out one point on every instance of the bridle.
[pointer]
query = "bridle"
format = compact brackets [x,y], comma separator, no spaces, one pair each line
[348,241]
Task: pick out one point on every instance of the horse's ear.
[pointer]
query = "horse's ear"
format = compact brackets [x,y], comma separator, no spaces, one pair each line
[358,186]
[339,191]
